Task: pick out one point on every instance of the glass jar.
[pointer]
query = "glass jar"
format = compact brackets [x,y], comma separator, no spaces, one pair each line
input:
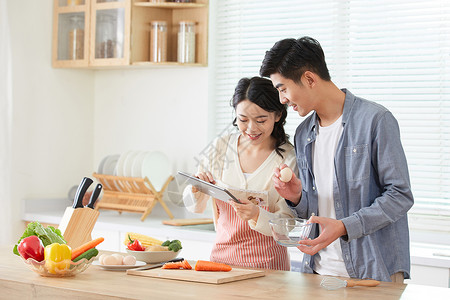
[105,39]
[76,38]
[158,41]
[186,42]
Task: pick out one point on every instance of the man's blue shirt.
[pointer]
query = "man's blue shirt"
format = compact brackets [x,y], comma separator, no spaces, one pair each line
[371,189]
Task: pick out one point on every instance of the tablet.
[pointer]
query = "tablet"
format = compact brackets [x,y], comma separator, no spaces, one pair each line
[208,188]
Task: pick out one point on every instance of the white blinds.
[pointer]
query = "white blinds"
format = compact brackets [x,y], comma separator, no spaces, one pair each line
[396,53]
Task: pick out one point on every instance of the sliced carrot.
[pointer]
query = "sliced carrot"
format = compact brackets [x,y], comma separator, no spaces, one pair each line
[187,266]
[177,265]
[85,247]
[203,265]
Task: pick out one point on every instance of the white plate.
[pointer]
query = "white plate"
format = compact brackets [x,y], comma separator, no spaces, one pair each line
[121,164]
[136,169]
[157,168]
[102,165]
[128,164]
[118,267]
[110,164]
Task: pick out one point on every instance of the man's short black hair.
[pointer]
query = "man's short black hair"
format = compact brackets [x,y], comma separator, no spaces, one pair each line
[292,57]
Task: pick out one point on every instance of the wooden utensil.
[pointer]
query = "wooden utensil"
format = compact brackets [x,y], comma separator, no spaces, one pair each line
[333,283]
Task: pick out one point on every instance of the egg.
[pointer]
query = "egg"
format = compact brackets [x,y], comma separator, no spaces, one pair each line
[286,175]
[101,257]
[129,260]
[119,258]
[111,260]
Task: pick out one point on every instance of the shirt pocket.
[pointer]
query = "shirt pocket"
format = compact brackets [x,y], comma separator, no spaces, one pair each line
[302,164]
[357,162]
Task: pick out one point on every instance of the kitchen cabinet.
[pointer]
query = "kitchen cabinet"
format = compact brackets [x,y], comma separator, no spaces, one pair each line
[70,33]
[111,33]
[172,13]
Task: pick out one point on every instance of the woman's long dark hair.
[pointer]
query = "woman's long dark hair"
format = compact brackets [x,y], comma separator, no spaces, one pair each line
[260,91]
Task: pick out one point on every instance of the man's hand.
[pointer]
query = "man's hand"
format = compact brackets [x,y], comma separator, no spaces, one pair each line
[291,190]
[331,230]
[246,211]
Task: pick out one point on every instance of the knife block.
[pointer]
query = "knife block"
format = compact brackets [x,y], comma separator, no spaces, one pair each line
[76,225]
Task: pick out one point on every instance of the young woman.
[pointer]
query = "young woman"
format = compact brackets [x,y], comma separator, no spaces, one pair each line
[244,162]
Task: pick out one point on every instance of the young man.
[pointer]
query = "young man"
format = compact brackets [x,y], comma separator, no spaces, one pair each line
[353,176]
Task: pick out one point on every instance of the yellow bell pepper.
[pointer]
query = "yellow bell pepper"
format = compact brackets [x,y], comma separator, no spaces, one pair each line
[57,258]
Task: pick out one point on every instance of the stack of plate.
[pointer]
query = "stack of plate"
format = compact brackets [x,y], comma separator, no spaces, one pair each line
[108,165]
[154,165]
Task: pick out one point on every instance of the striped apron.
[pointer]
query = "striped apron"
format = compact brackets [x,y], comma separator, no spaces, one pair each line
[238,245]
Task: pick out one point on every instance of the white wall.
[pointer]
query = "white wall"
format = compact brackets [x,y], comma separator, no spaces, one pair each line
[161,109]
[52,111]
[66,120]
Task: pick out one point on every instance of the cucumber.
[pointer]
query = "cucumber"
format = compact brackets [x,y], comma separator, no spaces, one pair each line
[87,254]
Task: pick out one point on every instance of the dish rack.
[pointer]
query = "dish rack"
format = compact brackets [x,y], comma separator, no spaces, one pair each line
[131,194]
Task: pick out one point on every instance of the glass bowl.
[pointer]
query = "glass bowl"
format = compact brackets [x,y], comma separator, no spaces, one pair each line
[288,231]
[64,268]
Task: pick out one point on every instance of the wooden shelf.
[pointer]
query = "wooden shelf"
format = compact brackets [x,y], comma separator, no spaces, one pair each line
[165,64]
[169,5]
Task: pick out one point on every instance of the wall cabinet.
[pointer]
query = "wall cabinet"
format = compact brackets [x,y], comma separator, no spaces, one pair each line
[106,33]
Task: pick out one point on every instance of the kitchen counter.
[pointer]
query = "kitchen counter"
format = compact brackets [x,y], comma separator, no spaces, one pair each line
[18,281]
[50,211]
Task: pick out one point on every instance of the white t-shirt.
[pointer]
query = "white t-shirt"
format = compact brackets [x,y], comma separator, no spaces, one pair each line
[329,260]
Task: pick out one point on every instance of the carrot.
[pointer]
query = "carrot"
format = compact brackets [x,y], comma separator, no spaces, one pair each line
[203,265]
[177,265]
[85,247]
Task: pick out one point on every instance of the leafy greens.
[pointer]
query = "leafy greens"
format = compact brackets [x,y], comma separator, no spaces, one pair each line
[48,235]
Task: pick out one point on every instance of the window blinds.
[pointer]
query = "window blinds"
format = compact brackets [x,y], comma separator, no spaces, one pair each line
[396,53]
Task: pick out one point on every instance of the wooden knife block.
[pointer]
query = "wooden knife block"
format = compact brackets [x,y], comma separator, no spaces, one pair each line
[76,225]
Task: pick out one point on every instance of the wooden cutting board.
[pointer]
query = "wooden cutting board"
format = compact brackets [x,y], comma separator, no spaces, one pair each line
[200,276]
[183,222]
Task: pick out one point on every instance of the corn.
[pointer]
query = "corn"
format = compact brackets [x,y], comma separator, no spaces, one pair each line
[145,240]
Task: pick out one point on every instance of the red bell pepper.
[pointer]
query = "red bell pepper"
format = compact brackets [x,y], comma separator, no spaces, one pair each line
[31,247]
[135,245]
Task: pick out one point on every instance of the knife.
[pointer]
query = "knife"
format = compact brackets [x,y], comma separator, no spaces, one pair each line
[95,195]
[154,266]
[82,188]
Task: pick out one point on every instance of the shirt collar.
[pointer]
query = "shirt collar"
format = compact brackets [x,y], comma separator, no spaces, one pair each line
[348,104]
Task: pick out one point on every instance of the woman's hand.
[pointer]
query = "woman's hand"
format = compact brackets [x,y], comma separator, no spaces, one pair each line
[205,176]
[246,211]
[291,190]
